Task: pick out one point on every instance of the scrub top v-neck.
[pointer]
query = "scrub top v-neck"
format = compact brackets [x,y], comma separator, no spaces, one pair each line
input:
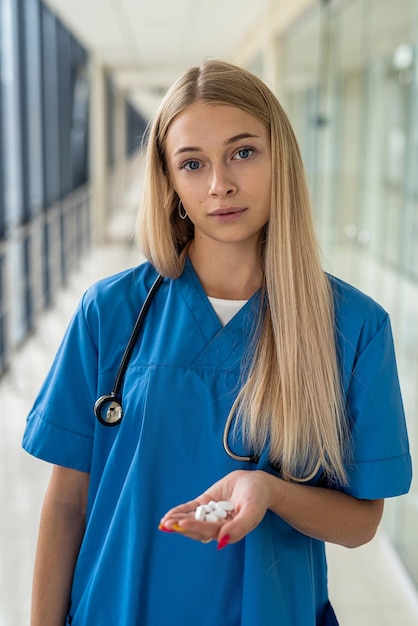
[179,386]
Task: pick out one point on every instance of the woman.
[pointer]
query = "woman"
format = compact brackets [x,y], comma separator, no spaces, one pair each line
[245,328]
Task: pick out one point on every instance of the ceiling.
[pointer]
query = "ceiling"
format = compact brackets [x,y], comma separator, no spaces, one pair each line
[146,44]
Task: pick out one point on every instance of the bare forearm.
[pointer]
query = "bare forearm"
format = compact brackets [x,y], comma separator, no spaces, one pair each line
[60,534]
[58,544]
[325,514]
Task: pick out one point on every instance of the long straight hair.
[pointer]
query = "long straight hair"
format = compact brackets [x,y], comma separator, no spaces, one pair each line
[291,396]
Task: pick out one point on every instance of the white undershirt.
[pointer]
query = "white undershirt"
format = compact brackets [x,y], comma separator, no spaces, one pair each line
[226,309]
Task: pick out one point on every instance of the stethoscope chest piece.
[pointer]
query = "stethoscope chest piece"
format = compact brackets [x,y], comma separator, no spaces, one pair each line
[108,410]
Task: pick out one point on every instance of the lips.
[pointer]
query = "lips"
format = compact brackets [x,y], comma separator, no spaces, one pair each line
[227,210]
[226,215]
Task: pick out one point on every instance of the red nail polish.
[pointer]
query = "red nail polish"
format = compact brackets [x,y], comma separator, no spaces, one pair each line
[223,542]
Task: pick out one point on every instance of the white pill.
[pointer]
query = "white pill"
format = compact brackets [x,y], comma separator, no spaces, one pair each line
[224,505]
[212,504]
[211,517]
[200,513]
[219,513]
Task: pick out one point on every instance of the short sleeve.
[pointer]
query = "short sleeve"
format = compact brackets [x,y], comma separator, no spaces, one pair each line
[381,463]
[60,426]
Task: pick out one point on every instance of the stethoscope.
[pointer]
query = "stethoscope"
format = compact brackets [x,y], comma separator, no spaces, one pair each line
[108,408]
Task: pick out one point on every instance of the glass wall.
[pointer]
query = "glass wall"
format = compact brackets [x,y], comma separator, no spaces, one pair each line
[135,128]
[43,133]
[45,211]
[353,101]
[3,314]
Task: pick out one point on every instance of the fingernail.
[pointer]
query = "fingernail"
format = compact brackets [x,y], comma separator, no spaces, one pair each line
[178,528]
[223,542]
[165,529]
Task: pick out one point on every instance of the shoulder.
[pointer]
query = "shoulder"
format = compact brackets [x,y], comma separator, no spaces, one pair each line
[121,288]
[113,302]
[355,309]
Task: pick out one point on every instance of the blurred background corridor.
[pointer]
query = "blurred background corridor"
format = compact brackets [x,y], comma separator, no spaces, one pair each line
[79,81]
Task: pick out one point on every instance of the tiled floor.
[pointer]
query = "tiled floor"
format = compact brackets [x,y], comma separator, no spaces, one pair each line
[368,586]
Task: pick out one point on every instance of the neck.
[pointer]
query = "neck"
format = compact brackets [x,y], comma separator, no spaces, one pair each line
[227,272]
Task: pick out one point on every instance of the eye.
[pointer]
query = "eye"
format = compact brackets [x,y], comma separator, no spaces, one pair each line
[191,165]
[244,153]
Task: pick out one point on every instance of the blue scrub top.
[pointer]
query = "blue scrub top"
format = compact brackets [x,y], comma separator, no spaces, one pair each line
[181,381]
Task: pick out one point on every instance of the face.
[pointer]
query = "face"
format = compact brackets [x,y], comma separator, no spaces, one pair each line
[219,163]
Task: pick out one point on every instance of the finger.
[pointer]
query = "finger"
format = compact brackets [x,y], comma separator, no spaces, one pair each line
[239,526]
[183,519]
[192,529]
[186,509]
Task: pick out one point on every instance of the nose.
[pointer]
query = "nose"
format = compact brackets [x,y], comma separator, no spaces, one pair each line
[222,183]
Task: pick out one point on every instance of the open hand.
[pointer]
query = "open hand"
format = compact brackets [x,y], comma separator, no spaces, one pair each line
[248,491]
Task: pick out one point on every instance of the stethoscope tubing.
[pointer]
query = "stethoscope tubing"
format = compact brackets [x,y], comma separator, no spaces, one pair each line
[134,336]
[111,404]
[114,398]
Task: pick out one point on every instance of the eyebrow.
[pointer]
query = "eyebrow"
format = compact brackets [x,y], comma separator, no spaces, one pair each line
[227,142]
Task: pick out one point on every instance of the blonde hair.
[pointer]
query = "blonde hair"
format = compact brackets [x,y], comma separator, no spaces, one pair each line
[291,397]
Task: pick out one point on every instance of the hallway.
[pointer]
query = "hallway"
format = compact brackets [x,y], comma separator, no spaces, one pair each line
[368,586]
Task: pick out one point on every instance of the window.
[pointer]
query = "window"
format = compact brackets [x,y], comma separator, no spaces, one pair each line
[44,102]
[363,174]
[135,128]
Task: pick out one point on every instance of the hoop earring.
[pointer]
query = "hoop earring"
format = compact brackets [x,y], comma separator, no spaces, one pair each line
[179,208]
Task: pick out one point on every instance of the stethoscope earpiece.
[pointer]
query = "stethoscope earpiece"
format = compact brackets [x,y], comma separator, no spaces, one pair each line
[108,410]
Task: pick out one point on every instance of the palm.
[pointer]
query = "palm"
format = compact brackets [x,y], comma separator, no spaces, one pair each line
[248,492]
